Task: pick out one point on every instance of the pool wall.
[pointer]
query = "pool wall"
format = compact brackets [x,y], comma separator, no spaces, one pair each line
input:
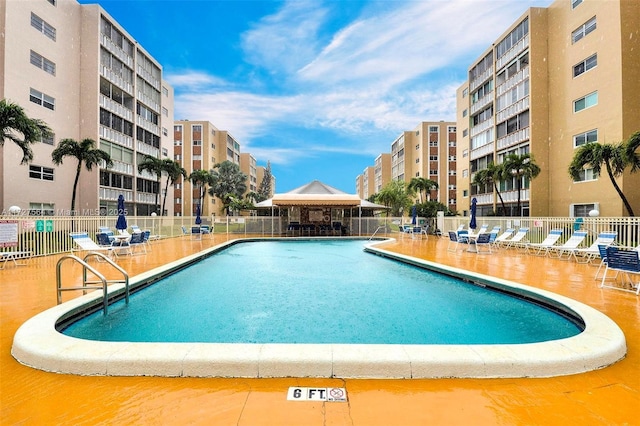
[38,344]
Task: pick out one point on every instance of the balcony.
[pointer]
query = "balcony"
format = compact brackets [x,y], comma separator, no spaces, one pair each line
[482,103]
[513,109]
[473,85]
[513,81]
[147,149]
[111,194]
[113,136]
[482,151]
[513,52]
[513,138]
[116,108]
[116,79]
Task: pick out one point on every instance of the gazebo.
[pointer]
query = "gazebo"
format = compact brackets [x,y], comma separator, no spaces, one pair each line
[318,209]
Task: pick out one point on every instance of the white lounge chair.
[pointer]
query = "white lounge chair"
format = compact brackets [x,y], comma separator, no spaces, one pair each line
[518,240]
[14,256]
[586,255]
[543,247]
[85,243]
[564,251]
[503,237]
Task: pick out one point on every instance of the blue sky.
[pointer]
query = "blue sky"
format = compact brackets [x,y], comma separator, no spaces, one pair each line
[318,88]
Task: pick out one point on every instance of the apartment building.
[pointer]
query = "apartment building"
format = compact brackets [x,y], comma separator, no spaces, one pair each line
[249,167]
[199,145]
[382,172]
[365,183]
[77,69]
[428,151]
[557,78]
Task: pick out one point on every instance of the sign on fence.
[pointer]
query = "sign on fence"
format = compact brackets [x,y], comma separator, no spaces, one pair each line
[8,233]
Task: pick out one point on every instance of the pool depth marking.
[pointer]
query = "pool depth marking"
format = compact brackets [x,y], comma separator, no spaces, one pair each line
[297,393]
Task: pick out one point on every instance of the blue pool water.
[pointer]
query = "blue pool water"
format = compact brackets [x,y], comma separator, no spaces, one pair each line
[326,291]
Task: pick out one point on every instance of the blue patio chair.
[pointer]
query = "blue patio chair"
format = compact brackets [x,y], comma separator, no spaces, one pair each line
[453,241]
[483,243]
[628,263]
[137,240]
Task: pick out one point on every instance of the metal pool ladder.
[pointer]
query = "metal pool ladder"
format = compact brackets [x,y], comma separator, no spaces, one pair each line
[91,284]
[376,231]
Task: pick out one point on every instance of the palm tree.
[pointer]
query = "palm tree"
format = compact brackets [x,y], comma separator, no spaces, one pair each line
[14,122]
[630,154]
[520,166]
[395,196]
[154,166]
[200,178]
[420,184]
[595,155]
[490,176]
[85,152]
[227,180]
[174,171]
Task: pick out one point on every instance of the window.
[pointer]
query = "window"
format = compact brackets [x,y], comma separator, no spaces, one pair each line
[575,3]
[582,210]
[586,175]
[39,172]
[41,209]
[40,98]
[165,152]
[433,157]
[165,132]
[586,137]
[43,27]
[165,112]
[583,30]
[465,173]
[197,143]
[451,129]
[49,140]
[417,147]
[464,113]
[465,153]
[177,143]
[465,193]
[417,160]
[465,132]
[465,92]
[585,65]
[43,63]
[433,129]
[165,91]
[586,102]
[53,2]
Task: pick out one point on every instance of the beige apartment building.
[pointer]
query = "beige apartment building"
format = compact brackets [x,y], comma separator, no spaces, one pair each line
[428,151]
[365,183]
[557,78]
[249,167]
[77,69]
[199,145]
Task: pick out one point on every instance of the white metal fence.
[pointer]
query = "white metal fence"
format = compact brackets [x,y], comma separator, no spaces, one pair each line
[45,235]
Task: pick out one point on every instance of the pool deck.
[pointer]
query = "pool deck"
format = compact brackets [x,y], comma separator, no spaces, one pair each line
[608,396]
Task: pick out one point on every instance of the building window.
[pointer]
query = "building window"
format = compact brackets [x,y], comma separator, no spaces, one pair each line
[587,102]
[583,30]
[586,175]
[465,193]
[165,132]
[417,160]
[464,113]
[586,137]
[39,172]
[433,143]
[43,27]
[465,173]
[177,129]
[165,112]
[582,210]
[451,129]
[433,129]
[165,91]
[465,92]
[48,140]
[197,143]
[41,209]
[575,3]
[433,172]
[165,152]
[177,143]
[465,132]
[433,157]
[417,147]
[43,63]
[585,65]
[177,157]
[465,153]
[40,98]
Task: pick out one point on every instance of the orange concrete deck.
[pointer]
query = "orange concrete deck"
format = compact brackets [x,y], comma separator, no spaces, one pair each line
[609,396]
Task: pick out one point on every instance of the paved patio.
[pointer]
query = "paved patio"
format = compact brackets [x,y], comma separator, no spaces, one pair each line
[609,396]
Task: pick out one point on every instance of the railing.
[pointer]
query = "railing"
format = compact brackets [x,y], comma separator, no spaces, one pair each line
[91,284]
[47,235]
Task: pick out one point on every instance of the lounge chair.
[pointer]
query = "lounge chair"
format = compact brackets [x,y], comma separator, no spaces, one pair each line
[564,251]
[542,248]
[14,256]
[503,237]
[586,255]
[627,262]
[518,240]
[106,230]
[419,230]
[85,243]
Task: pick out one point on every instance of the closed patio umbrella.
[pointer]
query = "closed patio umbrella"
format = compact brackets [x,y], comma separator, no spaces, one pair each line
[414,214]
[472,223]
[121,223]
[198,219]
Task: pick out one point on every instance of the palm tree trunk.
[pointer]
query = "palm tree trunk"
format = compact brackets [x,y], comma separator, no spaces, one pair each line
[164,199]
[504,208]
[75,188]
[518,185]
[619,191]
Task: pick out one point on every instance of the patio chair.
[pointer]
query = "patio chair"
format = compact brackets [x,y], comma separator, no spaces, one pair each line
[83,242]
[564,251]
[137,240]
[483,243]
[420,231]
[196,233]
[542,248]
[502,237]
[293,229]
[106,230]
[519,240]
[586,255]
[453,241]
[205,230]
[14,256]
[627,262]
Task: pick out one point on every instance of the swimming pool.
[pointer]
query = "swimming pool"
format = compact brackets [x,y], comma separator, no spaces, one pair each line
[38,344]
[320,291]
